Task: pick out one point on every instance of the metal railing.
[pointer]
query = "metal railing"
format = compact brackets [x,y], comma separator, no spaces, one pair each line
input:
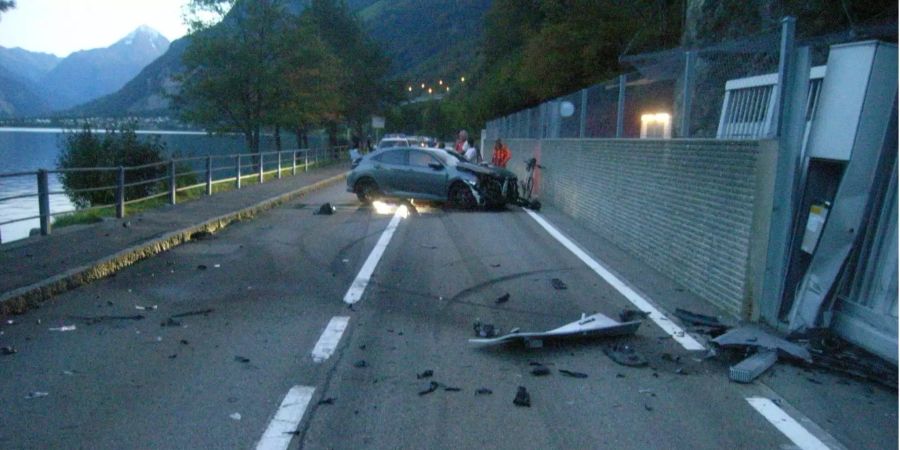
[180,175]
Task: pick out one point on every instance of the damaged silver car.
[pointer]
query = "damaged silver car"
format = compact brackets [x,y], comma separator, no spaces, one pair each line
[431,174]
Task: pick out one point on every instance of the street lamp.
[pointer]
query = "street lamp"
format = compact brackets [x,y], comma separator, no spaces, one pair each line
[441,82]
[423,85]
[462,79]
[429,91]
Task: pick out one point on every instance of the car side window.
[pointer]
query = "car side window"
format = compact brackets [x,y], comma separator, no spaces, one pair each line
[420,159]
[393,157]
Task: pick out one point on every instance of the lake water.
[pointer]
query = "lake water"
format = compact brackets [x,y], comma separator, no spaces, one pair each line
[30,149]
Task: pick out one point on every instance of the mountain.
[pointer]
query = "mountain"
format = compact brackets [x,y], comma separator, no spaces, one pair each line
[89,74]
[20,71]
[26,65]
[423,38]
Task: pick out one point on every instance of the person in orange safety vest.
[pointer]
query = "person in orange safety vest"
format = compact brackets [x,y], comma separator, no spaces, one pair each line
[501,154]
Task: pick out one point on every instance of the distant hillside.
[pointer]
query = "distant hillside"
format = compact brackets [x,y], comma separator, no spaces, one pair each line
[31,66]
[89,74]
[18,98]
[424,38]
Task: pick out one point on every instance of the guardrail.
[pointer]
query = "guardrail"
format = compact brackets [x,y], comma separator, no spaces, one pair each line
[176,169]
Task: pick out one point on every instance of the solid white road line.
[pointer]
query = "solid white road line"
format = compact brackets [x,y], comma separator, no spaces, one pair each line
[683,338]
[355,293]
[786,424]
[330,338]
[280,431]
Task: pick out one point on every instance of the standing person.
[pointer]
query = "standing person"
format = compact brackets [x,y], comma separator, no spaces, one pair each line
[501,154]
[471,153]
[462,142]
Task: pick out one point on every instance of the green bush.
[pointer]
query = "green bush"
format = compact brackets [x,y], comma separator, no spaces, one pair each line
[117,147]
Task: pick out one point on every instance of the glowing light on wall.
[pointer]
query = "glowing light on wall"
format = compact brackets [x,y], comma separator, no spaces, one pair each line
[656,126]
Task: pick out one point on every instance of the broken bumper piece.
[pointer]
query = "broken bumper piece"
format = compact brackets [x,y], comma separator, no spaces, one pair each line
[595,325]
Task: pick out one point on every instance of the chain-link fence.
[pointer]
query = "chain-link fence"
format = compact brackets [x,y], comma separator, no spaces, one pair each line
[728,90]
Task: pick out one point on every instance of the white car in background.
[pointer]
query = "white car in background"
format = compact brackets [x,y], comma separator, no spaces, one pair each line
[391,142]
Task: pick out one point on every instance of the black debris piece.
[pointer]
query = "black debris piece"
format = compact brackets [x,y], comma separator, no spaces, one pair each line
[126,224]
[8,351]
[360,364]
[813,380]
[426,374]
[538,363]
[452,389]
[430,387]
[325,210]
[184,342]
[625,355]
[628,315]
[362,347]
[91,320]
[241,359]
[170,322]
[503,298]
[485,330]
[648,407]
[670,358]
[558,284]
[620,375]
[522,397]
[540,371]
[327,401]
[696,319]
[573,374]
[173,356]
[200,312]
[201,267]
[200,235]
[495,265]
[483,391]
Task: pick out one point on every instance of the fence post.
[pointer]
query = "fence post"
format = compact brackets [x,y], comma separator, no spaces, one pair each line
[316,156]
[237,168]
[293,162]
[687,93]
[620,110]
[279,165]
[785,62]
[262,165]
[306,160]
[583,119]
[120,193]
[209,175]
[173,182]
[44,201]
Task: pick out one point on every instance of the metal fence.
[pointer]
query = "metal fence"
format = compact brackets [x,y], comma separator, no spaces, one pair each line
[724,90]
[168,178]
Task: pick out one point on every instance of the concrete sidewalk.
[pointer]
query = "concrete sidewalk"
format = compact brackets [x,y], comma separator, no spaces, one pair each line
[39,267]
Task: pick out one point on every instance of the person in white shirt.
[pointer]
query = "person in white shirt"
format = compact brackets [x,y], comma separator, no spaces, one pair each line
[471,154]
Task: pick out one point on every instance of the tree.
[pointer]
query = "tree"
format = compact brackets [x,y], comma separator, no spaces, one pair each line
[6,5]
[116,147]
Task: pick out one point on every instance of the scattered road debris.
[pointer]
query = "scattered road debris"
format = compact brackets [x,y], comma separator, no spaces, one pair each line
[145,308]
[327,401]
[242,359]
[429,247]
[540,371]
[572,373]
[36,394]
[184,342]
[426,374]
[596,325]
[325,210]
[173,356]
[752,367]
[69,372]
[452,389]
[483,391]
[558,284]
[648,407]
[430,387]
[629,315]
[670,358]
[170,322]
[484,330]
[92,320]
[502,299]
[625,355]
[201,267]
[713,324]
[360,364]
[8,351]
[63,328]
[235,416]
[522,397]
[495,265]
[751,336]
[199,312]
[217,266]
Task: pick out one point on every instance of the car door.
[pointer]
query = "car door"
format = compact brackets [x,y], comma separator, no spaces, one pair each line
[426,175]
[389,170]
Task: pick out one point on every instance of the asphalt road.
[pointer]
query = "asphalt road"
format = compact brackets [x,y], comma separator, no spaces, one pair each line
[256,298]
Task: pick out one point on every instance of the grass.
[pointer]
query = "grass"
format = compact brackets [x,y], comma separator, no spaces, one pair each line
[97,215]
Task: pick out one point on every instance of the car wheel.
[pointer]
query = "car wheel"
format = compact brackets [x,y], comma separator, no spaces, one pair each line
[366,191]
[461,196]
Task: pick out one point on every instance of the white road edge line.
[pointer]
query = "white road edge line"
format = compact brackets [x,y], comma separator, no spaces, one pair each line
[786,424]
[355,293]
[330,338]
[280,431]
[686,340]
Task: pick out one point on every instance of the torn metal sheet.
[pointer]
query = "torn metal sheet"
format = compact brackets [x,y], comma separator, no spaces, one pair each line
[594,325]
[750,336]
[697,319]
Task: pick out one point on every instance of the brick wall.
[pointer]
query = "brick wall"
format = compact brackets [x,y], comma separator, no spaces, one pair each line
[696,210]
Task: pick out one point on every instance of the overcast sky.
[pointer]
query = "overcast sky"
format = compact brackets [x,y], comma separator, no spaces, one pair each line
[64,26]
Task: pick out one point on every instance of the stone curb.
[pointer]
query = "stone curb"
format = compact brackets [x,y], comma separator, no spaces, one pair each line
[19,300]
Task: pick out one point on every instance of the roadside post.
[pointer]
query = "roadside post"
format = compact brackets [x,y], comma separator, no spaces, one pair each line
[237,168]
[173,182]
[44,201]
[209,175]
[279,165]
[120,193]
[293,162]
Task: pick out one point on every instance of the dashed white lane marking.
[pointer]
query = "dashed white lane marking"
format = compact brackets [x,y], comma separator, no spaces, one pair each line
[355,293]
[330,338]
[683,338]
[786,424]
[280,431]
